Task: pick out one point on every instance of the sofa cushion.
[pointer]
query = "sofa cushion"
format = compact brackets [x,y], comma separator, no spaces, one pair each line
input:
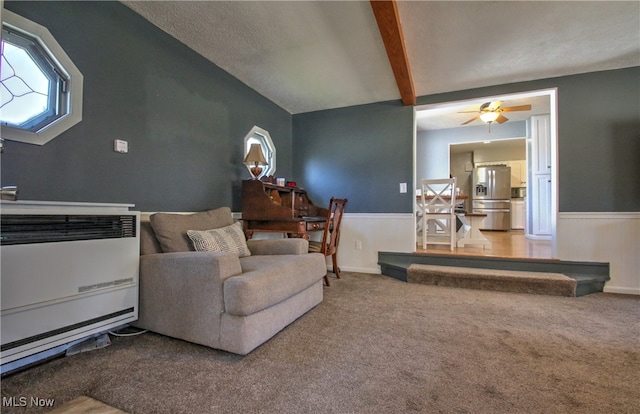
[148,241]
[171,229]
[228,239]
[268,280]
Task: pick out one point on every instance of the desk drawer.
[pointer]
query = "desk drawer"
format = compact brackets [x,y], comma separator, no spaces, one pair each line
[315,225]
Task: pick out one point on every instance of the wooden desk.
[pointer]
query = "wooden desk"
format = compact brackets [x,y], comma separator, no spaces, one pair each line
[267,207]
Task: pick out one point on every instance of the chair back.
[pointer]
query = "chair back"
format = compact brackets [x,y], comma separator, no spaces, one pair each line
[439,195]
[331,234]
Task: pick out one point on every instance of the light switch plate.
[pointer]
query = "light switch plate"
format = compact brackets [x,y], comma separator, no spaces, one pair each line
[403,187]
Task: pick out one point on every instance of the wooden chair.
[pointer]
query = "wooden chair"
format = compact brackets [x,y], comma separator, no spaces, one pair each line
[438,204]
[331,235]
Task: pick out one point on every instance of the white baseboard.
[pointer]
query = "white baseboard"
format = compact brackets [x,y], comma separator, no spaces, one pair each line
[370,270]
[622,290]
[536,237]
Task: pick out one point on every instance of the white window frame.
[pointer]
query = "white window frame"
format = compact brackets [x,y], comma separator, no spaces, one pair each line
[261,136]
[69,71]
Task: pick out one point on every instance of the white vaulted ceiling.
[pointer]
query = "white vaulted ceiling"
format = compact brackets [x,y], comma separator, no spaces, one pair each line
[314,55]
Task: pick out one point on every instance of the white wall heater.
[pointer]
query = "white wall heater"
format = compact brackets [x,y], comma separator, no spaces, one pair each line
[68,271]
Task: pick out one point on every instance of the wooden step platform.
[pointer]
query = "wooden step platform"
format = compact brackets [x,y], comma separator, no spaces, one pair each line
[540,283]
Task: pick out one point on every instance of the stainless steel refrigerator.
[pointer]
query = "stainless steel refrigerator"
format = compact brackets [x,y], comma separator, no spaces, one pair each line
[492,196]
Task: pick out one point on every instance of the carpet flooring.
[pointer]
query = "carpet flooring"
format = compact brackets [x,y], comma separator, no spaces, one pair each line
[378,345]
[540,283]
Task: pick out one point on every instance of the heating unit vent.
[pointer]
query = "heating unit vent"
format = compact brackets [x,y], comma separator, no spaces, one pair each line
[38,228]
[25,341]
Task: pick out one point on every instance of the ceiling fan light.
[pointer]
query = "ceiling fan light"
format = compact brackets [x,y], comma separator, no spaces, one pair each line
[489,117]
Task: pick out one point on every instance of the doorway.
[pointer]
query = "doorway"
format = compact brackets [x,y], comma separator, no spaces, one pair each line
[440,125]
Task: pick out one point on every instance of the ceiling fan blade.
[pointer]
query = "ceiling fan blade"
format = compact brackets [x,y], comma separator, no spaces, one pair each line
[471,120]
[501,119]
[516,108]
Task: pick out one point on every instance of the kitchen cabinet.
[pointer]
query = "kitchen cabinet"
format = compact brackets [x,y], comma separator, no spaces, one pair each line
[539,194]
[517,214]
[541,205]
[540,131]
[518,173]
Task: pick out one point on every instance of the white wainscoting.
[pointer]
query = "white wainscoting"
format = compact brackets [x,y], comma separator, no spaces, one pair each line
[362,236]
[612,238]
[391,232]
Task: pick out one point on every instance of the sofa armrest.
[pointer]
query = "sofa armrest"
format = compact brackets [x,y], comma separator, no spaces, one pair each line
[181,293]
[278,246]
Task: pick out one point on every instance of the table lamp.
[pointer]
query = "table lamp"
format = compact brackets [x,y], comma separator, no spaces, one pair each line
[255,157]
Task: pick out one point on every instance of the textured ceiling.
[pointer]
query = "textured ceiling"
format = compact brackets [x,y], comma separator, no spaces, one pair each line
[314,55]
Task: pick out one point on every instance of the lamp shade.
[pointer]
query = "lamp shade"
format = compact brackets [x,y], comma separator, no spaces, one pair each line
[489,117]
[255,156]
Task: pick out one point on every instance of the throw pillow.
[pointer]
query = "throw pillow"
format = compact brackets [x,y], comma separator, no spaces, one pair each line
[171,229]
[226,239]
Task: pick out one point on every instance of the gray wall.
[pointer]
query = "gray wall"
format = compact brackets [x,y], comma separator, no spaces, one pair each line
[364,152]
[598,136]
[184,118]
[361,152]
[599,141]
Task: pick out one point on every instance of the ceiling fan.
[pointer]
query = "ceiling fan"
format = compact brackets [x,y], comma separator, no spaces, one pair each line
[492,112]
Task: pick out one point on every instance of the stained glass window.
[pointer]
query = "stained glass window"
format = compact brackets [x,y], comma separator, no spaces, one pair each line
[40,87]
[28,84]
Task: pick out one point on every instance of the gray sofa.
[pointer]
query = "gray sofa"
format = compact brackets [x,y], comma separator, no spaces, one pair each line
[216,298]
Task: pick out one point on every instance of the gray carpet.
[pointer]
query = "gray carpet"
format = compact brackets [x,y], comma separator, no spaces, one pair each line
[378,345]
[539,283]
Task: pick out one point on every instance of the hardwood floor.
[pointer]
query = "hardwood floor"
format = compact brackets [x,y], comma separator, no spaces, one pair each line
[503,244]
[86,405]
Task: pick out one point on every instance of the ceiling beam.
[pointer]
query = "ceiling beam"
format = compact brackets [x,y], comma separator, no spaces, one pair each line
[386,13]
